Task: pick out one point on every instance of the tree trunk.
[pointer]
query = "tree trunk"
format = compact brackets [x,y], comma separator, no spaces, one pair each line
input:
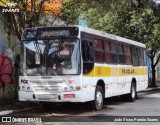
[153,83]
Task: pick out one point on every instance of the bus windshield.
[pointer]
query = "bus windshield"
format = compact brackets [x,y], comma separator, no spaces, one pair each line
[51,57]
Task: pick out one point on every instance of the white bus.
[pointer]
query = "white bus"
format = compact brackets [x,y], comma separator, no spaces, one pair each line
[80,64]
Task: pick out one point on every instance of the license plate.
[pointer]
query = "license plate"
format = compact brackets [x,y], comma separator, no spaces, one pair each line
[46,96]
[69,95]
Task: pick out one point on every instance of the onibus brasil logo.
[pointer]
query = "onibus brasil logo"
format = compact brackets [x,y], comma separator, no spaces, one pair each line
[8,6]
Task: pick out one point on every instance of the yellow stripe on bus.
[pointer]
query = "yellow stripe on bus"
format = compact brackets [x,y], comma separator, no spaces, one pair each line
[115,71]
[102,71]
[132,71]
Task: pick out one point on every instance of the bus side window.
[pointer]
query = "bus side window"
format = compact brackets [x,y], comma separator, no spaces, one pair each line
[138,56]
[90,51]
[107,49]
[127,53]
[88,56]
[142,62]
[87,51]
[133,55]
[135,58]
[84,51]
[121,54]
[145,57]
[99,50]
[114,56]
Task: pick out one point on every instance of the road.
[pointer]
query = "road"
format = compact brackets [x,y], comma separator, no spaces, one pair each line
[147,104]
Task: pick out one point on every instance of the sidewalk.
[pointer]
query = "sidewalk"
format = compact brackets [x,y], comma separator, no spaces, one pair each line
[9,106]
[153,88]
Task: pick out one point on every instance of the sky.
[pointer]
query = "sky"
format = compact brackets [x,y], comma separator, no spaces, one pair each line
[157,1]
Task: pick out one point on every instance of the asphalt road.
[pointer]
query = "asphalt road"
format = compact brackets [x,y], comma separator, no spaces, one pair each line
[115,109]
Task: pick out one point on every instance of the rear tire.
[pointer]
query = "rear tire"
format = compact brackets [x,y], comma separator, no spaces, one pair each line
[97,104]
[133,94]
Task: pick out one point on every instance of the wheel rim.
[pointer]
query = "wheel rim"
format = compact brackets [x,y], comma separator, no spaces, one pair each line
[133,92]
[99,99]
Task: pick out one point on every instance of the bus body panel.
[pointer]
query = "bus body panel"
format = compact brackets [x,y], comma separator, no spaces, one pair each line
[59,88]
[117,78]
[115,82]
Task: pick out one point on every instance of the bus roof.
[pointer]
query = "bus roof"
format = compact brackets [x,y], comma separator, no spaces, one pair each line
[111,36]
[101,34]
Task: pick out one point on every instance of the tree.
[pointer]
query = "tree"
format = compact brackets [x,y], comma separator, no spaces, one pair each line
[74,9]
[30,14]
[35,13]
[138,21]
[133,19]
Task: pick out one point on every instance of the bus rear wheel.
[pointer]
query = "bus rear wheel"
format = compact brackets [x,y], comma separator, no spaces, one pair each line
[97,104]
[132,95]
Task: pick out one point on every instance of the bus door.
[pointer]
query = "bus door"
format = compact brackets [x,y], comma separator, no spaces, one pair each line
[88,66]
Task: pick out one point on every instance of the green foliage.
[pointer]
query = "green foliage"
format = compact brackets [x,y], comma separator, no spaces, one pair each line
[139,21]
[142,26]
[74,9]
[133,19]
[28,16]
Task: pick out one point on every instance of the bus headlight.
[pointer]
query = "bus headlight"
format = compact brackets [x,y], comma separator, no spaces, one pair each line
[65,88]
[28,88]
[71,88]
[23,87]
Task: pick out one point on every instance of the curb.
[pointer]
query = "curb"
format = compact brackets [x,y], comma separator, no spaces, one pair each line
[149,89]
[7,112]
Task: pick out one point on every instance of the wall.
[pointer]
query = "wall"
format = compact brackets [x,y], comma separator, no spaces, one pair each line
[9,91]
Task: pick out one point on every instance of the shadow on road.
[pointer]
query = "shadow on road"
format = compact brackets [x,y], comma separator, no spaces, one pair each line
[64,108]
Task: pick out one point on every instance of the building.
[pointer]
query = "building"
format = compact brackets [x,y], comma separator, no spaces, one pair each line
[6,42]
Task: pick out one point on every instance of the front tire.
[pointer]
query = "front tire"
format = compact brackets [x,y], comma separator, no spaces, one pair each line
[97,104]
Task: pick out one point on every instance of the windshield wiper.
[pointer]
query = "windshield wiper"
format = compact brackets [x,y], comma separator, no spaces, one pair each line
[38,49]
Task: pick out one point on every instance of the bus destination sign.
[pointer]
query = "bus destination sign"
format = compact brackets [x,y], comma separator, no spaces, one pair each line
[50,32]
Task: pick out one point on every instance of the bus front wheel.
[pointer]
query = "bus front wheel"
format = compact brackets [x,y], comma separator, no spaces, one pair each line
[97,104]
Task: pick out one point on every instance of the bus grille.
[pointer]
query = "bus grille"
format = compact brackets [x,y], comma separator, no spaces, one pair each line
[47,86]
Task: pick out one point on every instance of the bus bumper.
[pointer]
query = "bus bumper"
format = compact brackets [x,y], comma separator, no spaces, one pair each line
[75,96]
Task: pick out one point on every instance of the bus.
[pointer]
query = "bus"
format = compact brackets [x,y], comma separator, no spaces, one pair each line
[80,64]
